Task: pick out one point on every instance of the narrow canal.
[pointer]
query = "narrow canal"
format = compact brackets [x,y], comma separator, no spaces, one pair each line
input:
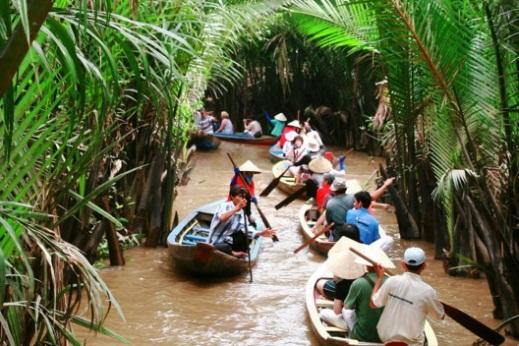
[165,307]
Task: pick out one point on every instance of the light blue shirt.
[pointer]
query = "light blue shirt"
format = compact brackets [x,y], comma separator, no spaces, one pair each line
[365,222]
[221,232]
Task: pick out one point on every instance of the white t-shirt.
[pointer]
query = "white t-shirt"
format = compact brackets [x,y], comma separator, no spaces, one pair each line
[407,300]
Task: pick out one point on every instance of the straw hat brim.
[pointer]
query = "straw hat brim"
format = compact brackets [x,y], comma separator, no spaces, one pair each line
[280,117]
[341,261]
[320,165]
[250,167]
[377,255]
[294,123]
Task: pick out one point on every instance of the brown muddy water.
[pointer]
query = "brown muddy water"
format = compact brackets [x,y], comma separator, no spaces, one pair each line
[164,307]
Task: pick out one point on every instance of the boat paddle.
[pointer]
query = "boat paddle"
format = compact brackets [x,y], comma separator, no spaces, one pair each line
[317,235]
[248,244]
[272,185]
[291,198]
[262,215]
[469,322]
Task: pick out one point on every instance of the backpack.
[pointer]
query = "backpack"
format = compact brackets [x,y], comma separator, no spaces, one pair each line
[347,230]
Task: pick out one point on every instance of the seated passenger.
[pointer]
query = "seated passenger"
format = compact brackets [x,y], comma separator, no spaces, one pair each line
[357,303]
[226,127]
[278,123]
[341,262]
[287,147]
[312,133]
[227,230]
[292,126]
[205,122]
[252,127]
[366,223]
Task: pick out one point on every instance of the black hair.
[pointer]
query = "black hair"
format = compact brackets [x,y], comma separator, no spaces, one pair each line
[364,198]
[414,268]
[237,190]
[329,178]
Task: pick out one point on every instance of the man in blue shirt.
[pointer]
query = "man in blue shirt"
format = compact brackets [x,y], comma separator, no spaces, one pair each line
[360,217]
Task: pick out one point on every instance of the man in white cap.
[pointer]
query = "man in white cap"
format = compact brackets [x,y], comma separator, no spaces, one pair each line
[407,300]
[359,296]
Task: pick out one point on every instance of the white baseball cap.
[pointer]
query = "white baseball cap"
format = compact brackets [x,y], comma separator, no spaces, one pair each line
[414,256]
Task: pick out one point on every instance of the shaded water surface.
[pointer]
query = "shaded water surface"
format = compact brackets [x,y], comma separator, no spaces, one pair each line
[162,306]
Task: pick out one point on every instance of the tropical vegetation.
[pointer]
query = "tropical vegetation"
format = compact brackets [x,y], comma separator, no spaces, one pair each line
[97,98]
[96,105]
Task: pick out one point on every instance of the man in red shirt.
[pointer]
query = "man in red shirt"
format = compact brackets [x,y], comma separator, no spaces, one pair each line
[324,192]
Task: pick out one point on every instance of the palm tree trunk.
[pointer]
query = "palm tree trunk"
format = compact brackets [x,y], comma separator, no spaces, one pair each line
[18,44]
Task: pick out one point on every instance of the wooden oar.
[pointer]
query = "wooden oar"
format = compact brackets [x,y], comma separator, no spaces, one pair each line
[263,217]
[291,198]
[272,185]
[248,244]
[317,235]
[469,322]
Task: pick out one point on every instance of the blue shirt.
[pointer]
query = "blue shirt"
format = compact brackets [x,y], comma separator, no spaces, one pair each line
[365,222]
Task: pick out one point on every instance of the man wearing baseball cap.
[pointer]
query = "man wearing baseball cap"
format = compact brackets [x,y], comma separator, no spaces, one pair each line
[407,300]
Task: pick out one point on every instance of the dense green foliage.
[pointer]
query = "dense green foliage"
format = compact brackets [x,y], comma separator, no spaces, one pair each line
[93,127]
[452,70]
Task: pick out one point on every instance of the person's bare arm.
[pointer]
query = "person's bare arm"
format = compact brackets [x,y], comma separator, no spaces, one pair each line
[226,216]
[222,125]
[319,222]
[375,195]
[380,275]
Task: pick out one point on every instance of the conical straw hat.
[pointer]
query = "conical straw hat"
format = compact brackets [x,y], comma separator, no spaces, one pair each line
[294,123]
[377,255]
[341,261]
[250,167]
[280,117]
[320,165]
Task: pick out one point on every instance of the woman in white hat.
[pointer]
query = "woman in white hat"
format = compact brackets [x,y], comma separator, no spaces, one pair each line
[292,126]
[278,123]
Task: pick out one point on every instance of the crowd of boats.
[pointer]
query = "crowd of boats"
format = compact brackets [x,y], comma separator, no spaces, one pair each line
[301,168]
[188,242]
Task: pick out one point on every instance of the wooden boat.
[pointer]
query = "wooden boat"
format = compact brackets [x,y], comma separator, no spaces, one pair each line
[204,141]
[287,184]
[308,216]
[240,137]
[190,252]
[276,153]
[331,335]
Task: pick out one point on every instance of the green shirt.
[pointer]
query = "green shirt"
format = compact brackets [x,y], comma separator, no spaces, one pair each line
[278,127]
[358,298]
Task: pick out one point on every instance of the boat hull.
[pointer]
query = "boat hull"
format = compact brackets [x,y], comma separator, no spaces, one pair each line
[287,184]
[329,335]
[240,137]
[190,252]
[204,142]
[276,154]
